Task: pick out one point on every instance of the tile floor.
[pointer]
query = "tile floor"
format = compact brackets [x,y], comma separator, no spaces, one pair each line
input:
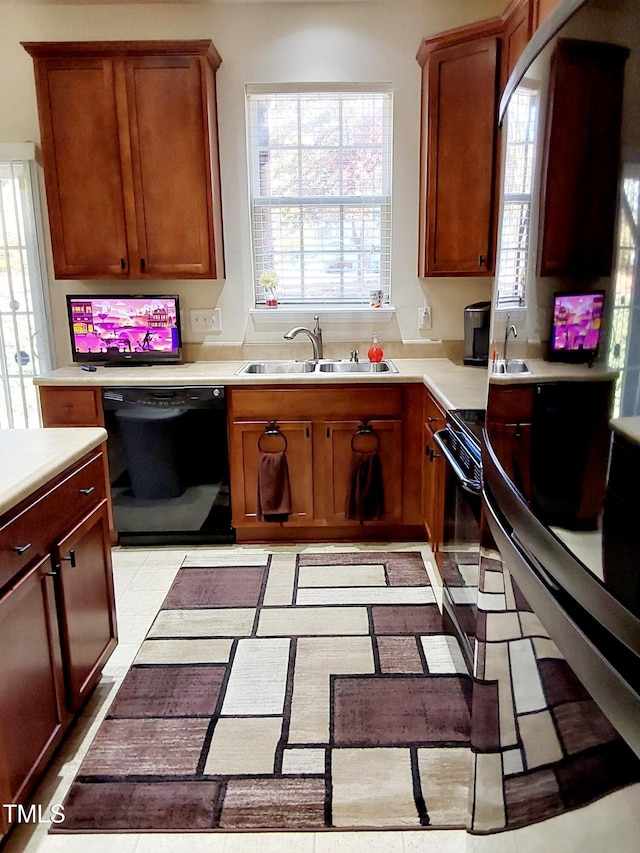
[143,578]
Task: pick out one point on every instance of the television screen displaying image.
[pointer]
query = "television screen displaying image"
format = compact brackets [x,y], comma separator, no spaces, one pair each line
[576,326]
[125,329]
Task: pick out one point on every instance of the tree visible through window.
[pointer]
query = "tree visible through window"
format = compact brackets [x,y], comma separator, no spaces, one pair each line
[320,185]
[515,225]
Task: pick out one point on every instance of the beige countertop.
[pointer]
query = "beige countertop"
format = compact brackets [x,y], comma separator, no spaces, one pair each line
[32,457]
[555,371]
[455,386]
[628,428]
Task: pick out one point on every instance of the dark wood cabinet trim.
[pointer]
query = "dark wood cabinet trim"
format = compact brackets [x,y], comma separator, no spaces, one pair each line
[461,35]
[195,47]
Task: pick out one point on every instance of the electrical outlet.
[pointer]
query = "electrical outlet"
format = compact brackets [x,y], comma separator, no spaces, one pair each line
[424,317]
[200,319]
[203,320]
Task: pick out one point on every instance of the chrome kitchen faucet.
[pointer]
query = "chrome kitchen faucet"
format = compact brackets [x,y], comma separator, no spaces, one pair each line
[509,330]
[315,337]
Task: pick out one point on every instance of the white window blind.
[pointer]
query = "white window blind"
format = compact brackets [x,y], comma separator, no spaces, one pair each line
[514,252]
[320,187]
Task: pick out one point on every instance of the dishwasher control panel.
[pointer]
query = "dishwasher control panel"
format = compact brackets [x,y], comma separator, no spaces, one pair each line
[187,397]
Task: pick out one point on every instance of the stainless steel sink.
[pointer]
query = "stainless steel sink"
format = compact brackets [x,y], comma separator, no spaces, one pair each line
[384,366]
[278,367]
[510,365]
[324,367]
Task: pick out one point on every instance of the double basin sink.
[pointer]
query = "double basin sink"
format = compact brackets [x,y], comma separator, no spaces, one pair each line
[510,365]
[326,367]
[323,367]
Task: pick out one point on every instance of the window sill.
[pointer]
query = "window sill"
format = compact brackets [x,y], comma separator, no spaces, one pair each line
[327,313]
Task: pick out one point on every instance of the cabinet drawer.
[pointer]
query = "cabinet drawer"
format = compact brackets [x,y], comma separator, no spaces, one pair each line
[433,414]
[71,406]
[32,530]
[316,403]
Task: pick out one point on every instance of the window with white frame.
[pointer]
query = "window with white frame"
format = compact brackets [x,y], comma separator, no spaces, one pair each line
[320,193]
[514,249]
[24,332]
[625,315]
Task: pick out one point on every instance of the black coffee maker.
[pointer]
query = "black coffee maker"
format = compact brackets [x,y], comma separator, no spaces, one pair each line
[476,333]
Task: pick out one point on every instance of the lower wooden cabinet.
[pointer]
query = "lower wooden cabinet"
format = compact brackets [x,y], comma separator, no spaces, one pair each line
[33,711]
[319,425]
[57,619]
[509,416]
[69,406]
[433,472]
[87,603]
[552,439]
[620,541]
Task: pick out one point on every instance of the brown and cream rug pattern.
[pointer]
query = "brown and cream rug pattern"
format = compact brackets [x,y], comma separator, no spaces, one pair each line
[290,691]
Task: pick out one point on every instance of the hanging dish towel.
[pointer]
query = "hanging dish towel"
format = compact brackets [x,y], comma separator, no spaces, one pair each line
[274,490]
[365,490]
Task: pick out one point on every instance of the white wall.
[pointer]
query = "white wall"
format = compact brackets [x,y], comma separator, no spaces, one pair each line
[270,42]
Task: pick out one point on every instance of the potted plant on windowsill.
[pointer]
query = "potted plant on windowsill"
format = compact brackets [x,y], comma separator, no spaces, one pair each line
[269,280]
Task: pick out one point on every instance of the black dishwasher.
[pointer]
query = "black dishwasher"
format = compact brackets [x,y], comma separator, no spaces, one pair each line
[168,464]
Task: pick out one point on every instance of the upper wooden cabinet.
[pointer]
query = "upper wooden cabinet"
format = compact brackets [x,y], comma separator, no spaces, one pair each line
[518,28]
[541,9]
[459,151]
[130,150]
[581,154]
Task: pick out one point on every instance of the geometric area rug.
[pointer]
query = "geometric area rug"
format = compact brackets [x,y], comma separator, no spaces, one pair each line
[285,692]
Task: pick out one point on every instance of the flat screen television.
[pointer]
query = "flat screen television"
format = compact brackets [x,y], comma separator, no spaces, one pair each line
[122,330]
[576,326]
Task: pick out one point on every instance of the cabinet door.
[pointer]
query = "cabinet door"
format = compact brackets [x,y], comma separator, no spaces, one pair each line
[512,445]
[579,186]
[87,600]
[32,705]
[509,415]
[433,472]
[170,157]
[81,153]
[459,156]
[245,457]
[336,466]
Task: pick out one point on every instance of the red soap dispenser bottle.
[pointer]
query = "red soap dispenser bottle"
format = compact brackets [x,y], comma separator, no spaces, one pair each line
[375,350]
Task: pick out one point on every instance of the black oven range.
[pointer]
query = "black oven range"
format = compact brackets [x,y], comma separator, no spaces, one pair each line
[458,557]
